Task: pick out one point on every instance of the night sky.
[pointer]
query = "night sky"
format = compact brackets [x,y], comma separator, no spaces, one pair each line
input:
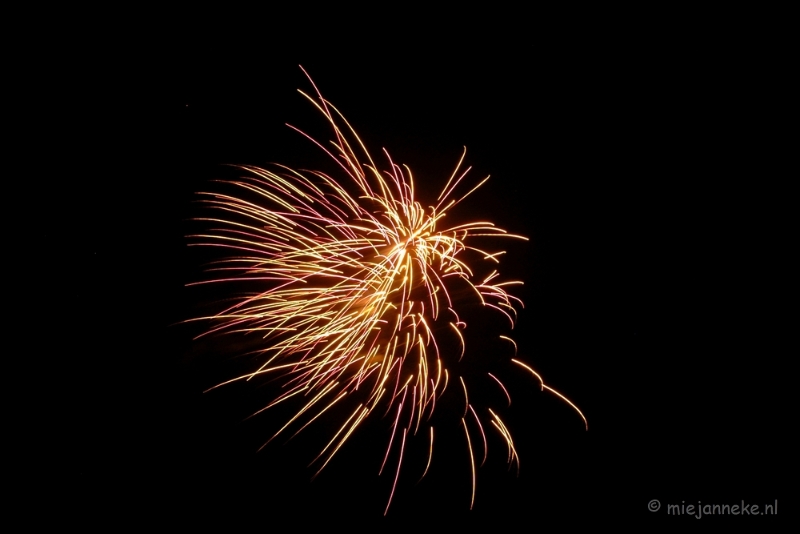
[621,158]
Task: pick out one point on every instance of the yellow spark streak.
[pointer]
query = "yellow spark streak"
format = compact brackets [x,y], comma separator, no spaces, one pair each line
[430,457]
[513,343]
[512,451]
[447,189]
[466,397]
[471,462]
[502,386]
[531,370]
[461,338]
[585,422]
[483,434]
[249,375]
[394,428]
[337,434]
[311,403]
[397,473]
[562,397]
[363,412]
[330,405]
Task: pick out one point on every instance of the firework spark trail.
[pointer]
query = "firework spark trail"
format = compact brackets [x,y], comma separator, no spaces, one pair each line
[355,286]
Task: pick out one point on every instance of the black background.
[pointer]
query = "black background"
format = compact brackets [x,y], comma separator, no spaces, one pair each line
[630,155]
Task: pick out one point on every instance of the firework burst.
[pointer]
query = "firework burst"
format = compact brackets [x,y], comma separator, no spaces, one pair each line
[357,292]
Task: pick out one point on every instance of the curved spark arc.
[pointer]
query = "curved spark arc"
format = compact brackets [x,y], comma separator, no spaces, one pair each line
[356,285]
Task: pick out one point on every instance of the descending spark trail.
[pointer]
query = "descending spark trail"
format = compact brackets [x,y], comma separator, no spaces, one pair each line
[350,289]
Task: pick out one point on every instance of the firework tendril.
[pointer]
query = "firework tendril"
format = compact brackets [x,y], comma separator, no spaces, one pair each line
[354,288]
